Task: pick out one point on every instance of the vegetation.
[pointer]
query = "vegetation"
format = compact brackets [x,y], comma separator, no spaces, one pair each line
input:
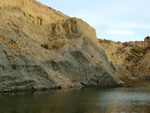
[14,66]
[136,53]
[57,44]
[13,42]
[100,62]
[30,15]
[54,47]
[53,61]
[148,37]
[45,46]
[139,50]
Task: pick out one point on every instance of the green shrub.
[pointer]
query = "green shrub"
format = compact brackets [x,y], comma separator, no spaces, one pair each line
[45,46]
[13,42]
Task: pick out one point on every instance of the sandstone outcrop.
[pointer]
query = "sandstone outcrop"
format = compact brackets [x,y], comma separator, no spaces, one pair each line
[41,48]
[130,58]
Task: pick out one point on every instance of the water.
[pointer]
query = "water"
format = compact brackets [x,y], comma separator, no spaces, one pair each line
[86,100]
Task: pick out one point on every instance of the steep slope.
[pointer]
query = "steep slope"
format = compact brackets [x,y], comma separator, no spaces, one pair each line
[38,13]
[130,58]
[41,48]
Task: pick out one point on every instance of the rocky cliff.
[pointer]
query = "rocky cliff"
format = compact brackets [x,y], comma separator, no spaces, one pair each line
[130,58]
[41,48]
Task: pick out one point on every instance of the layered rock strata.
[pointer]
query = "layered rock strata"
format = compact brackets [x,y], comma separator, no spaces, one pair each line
[41,48]
[130,58]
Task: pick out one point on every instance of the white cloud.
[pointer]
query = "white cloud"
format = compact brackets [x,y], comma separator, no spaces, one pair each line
[119,32]
[141,26]
[120,38]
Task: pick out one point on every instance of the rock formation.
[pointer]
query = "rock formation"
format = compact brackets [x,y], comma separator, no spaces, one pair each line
[41,48]
[130,58]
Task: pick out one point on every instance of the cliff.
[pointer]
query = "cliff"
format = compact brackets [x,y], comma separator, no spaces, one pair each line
[130,58]
[41,48]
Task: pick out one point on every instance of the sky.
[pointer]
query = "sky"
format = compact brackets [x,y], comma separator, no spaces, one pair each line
[117,20]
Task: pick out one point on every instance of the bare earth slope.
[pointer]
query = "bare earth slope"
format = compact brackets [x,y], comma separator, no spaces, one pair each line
[72,56]
[130,58]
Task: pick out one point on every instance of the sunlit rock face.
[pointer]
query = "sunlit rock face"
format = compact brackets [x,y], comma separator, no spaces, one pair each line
[129,58]
[41,48]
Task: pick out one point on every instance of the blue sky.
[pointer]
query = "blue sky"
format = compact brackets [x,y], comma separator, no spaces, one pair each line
[117,20]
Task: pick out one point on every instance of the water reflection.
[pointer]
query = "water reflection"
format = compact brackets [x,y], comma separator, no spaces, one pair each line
[125,100]
[74,101]
[87,100]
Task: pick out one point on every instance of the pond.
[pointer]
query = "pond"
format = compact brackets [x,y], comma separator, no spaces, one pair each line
[84,100]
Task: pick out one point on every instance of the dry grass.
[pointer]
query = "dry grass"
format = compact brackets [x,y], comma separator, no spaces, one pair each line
[57,44]
[139,50]
[136,53]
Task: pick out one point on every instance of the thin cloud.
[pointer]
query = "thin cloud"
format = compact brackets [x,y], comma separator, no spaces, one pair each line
[119,32]
[141,26]
[109,17]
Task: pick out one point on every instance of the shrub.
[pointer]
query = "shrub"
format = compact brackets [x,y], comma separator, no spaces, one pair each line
[45,46]
[14,66]
[100,62]
[13,42]
[53,61]
[148,37]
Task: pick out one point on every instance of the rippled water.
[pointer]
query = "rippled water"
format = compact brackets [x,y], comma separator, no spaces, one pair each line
[86,100]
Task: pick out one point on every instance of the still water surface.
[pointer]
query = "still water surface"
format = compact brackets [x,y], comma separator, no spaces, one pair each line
[86,100]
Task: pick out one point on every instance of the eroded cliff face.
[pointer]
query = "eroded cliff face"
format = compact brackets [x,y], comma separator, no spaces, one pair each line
[41,48]
[130,58]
